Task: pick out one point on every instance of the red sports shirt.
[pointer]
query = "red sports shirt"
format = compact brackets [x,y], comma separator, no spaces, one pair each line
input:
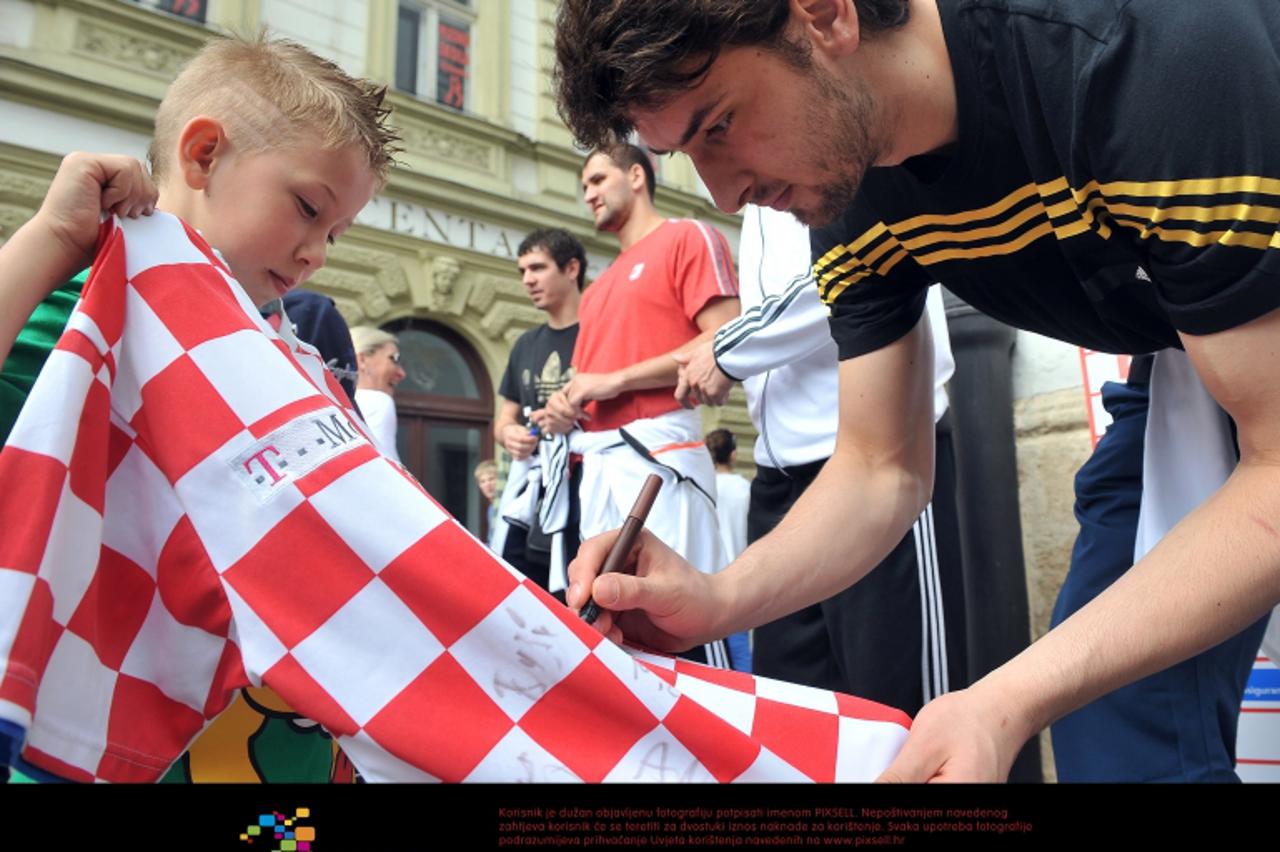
[644,305]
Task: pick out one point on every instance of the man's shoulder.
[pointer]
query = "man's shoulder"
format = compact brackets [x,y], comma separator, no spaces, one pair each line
[529,337]
[694,229]
[1022,25]
[1094,18]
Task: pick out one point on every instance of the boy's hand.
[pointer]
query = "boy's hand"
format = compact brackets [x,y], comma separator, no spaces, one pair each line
[84,187]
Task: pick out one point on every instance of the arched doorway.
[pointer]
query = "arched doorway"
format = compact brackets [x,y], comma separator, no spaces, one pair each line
[445,415]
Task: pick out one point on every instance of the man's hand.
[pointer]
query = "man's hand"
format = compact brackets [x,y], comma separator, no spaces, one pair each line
[701,381]
[559,410]
[518,441]
[666,605]
[551,423]
[85,186]
[586,387]
[566,404]
[60,240]
[960,736]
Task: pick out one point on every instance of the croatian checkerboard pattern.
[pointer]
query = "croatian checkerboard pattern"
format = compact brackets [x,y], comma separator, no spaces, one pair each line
[192,506]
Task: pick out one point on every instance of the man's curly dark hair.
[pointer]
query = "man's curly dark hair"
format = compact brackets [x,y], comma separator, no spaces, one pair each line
[614,56]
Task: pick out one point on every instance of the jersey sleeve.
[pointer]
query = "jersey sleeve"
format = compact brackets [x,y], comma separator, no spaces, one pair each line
[875,292]
[1181,133]
[703,268]
[782,329]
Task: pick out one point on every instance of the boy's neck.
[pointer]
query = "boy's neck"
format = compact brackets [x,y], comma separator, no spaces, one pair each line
[176,201]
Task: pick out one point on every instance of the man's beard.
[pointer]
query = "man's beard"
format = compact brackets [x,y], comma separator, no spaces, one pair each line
[843,145]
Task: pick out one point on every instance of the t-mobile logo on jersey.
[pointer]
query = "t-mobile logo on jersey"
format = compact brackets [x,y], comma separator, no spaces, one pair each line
[294,450]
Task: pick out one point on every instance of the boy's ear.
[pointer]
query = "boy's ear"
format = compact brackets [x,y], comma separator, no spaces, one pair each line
[202,142]
[831,25]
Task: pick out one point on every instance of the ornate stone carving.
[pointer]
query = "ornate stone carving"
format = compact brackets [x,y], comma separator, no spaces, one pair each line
[346,282]
[447,146]
[384,266]
[505,315]
[444,274]
[372,277]
[377,303]
[482,294]
[487,289]
[124,48]
[350,310]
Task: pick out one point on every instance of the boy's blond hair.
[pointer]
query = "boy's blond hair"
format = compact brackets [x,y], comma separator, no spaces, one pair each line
[271,93]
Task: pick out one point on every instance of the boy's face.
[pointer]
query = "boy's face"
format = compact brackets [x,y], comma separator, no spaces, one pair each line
[273,214]
[488,482]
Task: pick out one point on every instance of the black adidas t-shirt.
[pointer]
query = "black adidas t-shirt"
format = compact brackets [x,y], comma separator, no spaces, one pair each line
[539,365]
[1116,179]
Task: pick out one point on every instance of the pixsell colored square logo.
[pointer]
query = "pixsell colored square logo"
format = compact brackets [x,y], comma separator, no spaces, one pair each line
[277,832]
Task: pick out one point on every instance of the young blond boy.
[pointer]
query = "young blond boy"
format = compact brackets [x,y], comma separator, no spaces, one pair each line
[270,162]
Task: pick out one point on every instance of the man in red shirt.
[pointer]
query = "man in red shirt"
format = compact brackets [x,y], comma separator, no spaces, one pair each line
[671,287]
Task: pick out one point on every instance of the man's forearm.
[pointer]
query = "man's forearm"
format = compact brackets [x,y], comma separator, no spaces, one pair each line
[1214,574]
[844,525]
[661,371]
[500,423]
[874,486]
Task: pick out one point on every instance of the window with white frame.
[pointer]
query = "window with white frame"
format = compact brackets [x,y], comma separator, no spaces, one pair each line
[433,50]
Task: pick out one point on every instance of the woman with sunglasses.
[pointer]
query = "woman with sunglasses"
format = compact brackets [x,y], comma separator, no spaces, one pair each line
[378,360]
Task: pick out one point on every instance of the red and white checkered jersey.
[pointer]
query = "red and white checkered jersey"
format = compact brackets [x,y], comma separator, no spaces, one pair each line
[190,505]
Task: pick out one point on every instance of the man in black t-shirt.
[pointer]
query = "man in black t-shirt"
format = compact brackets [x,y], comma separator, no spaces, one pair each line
[1104,172]
[553,266]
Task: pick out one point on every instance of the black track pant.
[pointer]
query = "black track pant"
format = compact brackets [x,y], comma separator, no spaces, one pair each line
[897,636]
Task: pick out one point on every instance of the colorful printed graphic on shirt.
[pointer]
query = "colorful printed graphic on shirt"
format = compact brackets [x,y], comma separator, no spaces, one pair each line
[549,379]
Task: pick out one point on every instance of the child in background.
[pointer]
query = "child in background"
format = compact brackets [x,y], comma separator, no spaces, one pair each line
[486,474]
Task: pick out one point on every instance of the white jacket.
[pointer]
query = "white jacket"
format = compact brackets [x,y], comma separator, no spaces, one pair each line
[781,347]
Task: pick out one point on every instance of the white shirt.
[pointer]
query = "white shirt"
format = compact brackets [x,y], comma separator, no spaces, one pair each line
[733,495]
[379,411]
[781,347]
